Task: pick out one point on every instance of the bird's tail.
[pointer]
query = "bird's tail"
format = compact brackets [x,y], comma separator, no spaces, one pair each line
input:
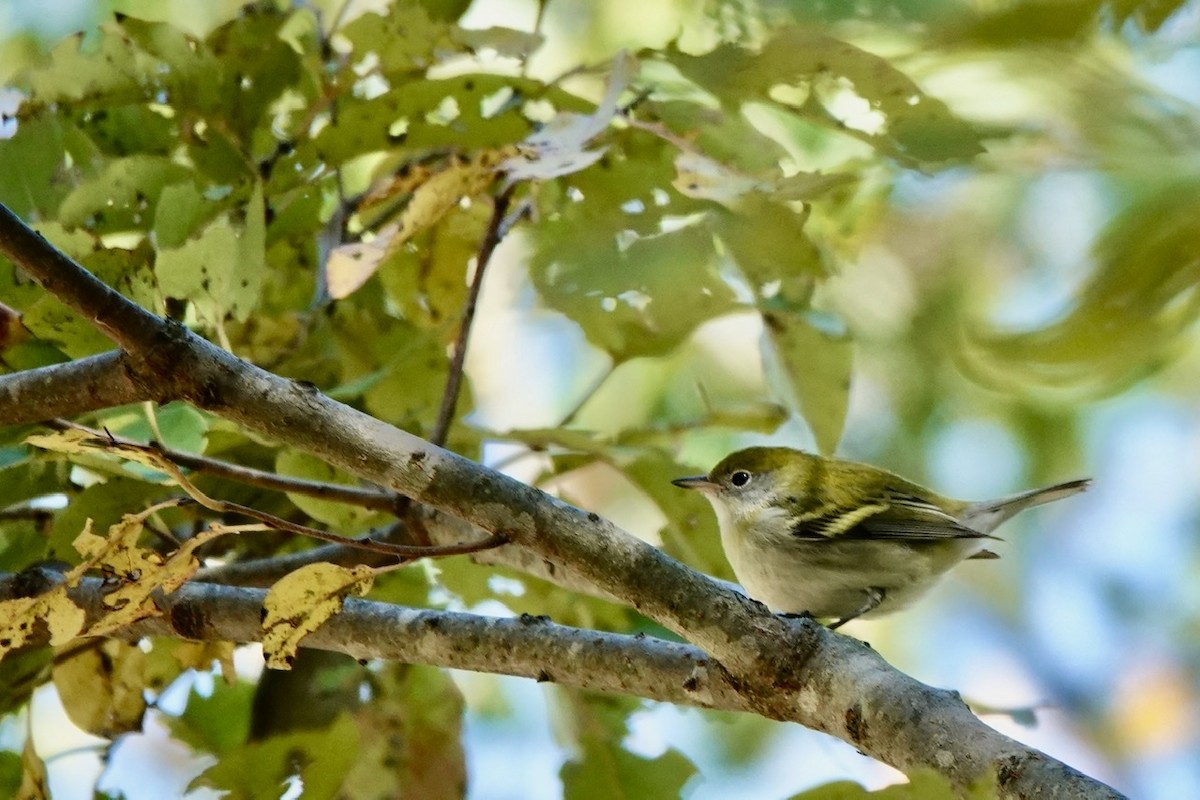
[987,515]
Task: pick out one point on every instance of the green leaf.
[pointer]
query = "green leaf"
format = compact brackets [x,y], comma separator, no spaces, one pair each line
[640,299]
[32,168]
[918,129]
[768,242]
[10,773]
[923,784]
[429,280]
[52,321]
[404,40]
[810,368]
[221,270]
[341,518]
[180,212]
[219,723]
[122,195]
[30,478]
[411,736]
[20,673]
[320,758]
[105,504]
[602,768]
[92,70]
[691,532]
[182,426]
[1130,318]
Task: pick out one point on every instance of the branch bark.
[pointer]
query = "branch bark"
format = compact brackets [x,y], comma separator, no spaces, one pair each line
[89,384]
[781,669]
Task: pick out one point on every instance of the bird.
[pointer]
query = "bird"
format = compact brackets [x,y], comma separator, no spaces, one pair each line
[833,539]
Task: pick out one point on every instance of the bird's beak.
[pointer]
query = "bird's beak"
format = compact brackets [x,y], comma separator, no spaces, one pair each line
[700,482]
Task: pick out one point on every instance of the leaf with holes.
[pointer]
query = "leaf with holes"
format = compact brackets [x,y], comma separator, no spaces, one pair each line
[302,601]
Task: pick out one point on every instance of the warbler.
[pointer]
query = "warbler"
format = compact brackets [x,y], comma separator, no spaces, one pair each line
[828,538]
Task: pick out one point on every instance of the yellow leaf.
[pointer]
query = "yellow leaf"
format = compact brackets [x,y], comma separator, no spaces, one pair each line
[301,601]
[19,618]
[71,441]
[201,655]
[34,783]
[134,600]
[350,265]
[102,687]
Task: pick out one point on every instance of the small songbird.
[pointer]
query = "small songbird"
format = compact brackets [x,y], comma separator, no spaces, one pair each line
[838,539]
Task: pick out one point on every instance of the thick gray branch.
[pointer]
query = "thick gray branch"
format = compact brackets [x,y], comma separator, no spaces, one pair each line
[89,384]
[886,707]
[528,647]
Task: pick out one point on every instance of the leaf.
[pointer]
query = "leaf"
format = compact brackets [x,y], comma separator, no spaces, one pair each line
[602,768]
[410,736]
[302,601]
[917,128]
[559,148]
[428,281]
[50,320]
[180,211]
[102,687]
[35,784]
[219,723]
[768,242]
[29,478]
[122,195]
[31,167]
[811,369]
[10,773]
[20,618]
[643,298]
[20,674]
[76,71]
[319,758]
[1131,317]
[182,427]
[341,517]
[350,265]
[104,504]
[404,40]
[140,572]
[690,533]
[923,784]
[221,270]
[704,178]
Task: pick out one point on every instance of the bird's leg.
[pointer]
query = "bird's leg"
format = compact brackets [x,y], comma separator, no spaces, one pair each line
[874,598]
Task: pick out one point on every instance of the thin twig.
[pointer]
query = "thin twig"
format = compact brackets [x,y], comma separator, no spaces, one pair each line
[152,456]
[497,227]
[374,499]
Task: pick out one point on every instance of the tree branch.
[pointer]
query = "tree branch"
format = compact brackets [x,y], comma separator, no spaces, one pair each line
[497,226]
[533,647]
[782,669]
[89,384]
[364,497]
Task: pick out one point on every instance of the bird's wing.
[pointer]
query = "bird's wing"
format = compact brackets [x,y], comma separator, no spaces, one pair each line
[893,515]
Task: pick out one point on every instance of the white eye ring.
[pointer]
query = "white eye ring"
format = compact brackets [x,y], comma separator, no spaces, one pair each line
[740,478]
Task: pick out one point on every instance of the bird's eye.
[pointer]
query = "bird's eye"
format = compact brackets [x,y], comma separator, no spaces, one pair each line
[740,478]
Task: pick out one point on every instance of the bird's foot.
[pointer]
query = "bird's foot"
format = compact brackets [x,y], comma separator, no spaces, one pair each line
[874,595]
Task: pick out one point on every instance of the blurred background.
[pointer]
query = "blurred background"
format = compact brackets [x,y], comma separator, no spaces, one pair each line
[1019,317]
